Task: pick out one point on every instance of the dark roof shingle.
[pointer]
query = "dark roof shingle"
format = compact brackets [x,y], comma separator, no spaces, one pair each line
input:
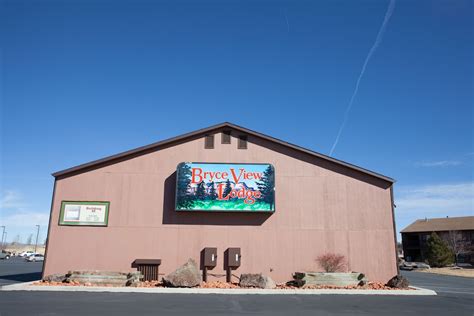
[440,224]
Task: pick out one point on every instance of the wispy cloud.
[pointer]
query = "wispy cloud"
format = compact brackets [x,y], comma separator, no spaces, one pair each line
[441,163]
[436,200]
[17,215]
[378,40]
[25,219]
[432,201]
[11,199]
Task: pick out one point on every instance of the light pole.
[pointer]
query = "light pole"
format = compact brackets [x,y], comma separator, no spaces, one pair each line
[3,233]
[37,233]
[5,240]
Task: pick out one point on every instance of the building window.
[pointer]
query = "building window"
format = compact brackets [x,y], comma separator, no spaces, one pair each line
[242,142]
[209,142]
[225,137]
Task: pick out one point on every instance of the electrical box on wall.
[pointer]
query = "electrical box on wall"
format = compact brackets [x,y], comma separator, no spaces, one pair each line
[233,257]
[210,257]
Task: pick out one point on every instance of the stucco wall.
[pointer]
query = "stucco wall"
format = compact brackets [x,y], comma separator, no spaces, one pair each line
[320,207]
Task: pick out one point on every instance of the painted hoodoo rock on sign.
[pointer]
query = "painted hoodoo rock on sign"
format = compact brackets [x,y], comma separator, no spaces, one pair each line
[225,187]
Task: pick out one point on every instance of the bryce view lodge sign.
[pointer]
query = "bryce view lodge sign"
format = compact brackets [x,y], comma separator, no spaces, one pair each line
[225,187]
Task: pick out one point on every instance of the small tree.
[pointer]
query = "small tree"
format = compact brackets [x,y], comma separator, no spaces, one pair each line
[28,240]
[457,245]
[17,240]
[438,252]
[332,262]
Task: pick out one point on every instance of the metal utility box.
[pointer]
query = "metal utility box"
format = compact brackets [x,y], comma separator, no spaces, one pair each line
[233,257]
[210,257]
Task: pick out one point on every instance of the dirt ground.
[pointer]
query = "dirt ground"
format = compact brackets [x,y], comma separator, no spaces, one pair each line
[20,248]
[464,272]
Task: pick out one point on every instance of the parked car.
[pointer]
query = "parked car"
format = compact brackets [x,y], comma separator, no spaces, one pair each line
[35,257]
[26,253]
[5,255]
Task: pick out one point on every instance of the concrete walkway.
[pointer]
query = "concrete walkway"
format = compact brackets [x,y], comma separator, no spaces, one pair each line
[28,286]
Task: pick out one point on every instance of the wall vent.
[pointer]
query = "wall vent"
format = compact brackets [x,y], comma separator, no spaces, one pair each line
[209,142]
[225,137]
[242,142]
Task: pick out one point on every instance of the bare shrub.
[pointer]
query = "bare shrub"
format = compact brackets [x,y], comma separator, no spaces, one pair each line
[332,262]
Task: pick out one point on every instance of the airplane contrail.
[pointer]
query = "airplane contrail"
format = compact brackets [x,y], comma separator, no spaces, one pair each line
[378,40]
[287,23]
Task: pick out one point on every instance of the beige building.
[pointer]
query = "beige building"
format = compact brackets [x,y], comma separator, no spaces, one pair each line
[321,205]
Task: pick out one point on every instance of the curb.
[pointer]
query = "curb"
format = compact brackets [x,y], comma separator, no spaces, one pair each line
[27,286]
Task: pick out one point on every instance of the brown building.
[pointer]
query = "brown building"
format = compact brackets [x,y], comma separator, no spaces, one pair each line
[320,205]
[458,232]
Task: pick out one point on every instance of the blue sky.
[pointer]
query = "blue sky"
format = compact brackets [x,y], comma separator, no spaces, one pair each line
[86,79]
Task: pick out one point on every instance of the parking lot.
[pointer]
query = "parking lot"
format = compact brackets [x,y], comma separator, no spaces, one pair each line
[454,296]
[17,269]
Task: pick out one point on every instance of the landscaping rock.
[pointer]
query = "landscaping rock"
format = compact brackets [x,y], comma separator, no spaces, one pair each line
[133,283]
[398,282]
[55,278]
[134,276]
[188,275]
[257,280]
[102,278]
[329,278]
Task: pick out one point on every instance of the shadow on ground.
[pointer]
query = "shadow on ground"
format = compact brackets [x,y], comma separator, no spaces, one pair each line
[23,277]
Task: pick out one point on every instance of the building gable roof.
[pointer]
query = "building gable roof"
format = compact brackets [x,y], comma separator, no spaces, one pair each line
[440,224]
[202,132]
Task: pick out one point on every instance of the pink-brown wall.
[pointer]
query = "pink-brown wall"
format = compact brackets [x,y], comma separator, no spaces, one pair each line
[320,207]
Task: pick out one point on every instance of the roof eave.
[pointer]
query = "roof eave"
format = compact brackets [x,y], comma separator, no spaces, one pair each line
[118,156]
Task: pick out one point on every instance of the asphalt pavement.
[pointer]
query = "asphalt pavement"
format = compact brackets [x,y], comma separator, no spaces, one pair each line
[445,285]
[454,297]
[17,269]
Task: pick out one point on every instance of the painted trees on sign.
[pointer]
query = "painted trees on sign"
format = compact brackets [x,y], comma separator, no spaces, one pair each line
[183,199]
[267,186]
[225,187]
[228,188]
[212,191]
[200,191]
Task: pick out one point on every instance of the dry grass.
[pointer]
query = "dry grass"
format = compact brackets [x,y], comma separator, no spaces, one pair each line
[20,248]
[464,272]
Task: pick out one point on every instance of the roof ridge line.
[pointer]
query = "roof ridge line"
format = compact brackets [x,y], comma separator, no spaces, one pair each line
[138,150]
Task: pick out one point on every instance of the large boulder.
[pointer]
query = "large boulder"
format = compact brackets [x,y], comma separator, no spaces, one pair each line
[55,278]
[102,278]
[329,278]
[398,282]
[133,278]
[257,280]
[188,275]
